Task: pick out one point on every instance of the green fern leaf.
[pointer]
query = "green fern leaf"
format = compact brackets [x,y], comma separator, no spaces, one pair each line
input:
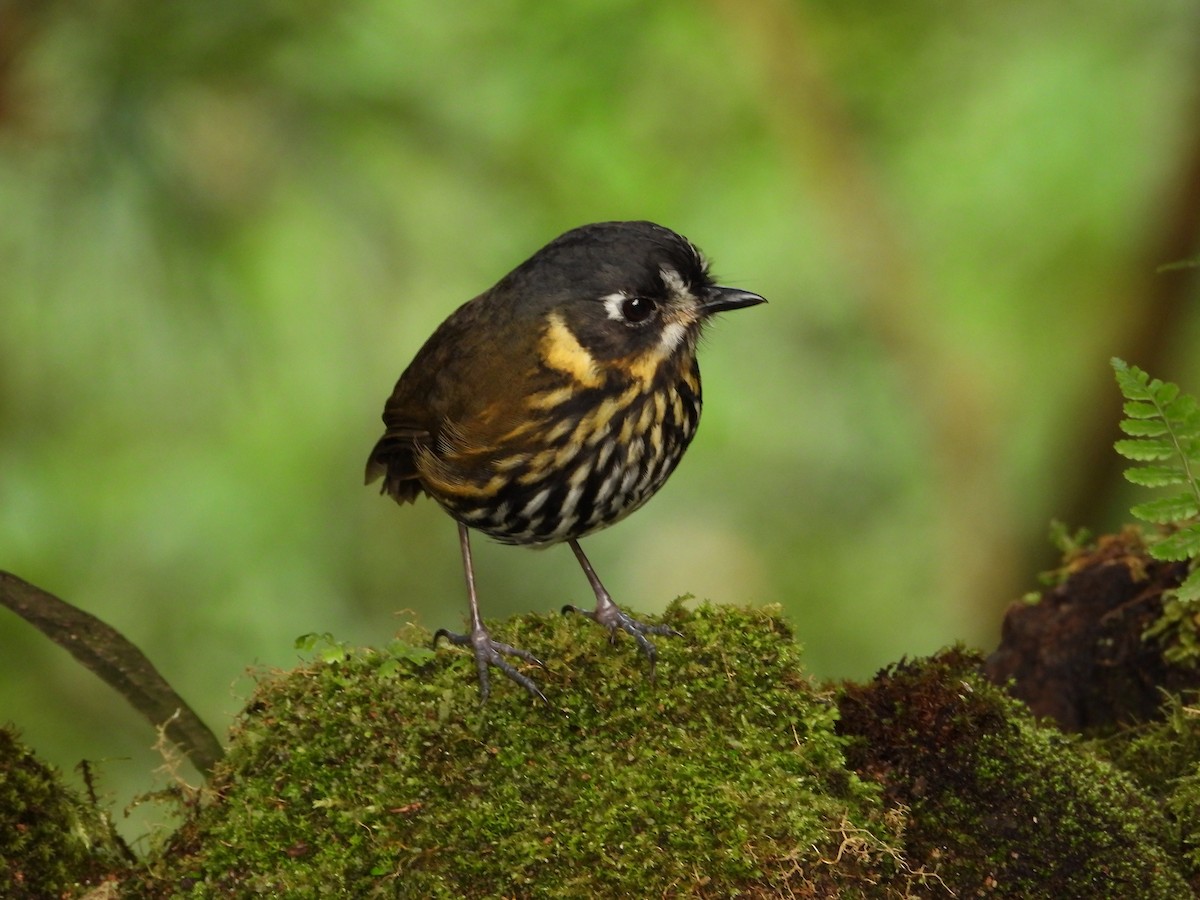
[1164,510]
[1144,427]
[1178,545]
[1162,392]
[1179,406]
[1140,409]
[1143,449]
[1155,476]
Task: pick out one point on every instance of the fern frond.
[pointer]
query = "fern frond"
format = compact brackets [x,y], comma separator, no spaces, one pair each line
[1164,439]
[1164,429]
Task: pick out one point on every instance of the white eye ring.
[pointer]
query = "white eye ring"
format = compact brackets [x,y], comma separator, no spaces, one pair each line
[630,309]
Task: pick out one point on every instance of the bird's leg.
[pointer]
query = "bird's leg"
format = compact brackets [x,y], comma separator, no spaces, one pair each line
[487,651]
[608,614]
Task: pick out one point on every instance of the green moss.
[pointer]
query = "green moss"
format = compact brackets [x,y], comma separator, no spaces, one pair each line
[52,843]
[1163,757]
[1000,806]
[379,774]
[724,777]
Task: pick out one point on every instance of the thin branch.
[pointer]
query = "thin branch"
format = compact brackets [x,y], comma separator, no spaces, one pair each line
[117,661]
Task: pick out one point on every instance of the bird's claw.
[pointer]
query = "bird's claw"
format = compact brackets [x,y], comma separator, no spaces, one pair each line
[613,618]
[491,653]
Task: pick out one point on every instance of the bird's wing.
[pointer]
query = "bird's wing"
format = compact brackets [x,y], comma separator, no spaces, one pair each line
[458,399]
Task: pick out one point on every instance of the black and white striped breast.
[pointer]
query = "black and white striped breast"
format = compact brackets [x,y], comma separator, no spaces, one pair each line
[587,461]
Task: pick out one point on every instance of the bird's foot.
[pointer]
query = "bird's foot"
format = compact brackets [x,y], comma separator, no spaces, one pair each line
[491,653]
[613,618]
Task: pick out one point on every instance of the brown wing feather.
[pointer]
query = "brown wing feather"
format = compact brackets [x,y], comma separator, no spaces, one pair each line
[460,391]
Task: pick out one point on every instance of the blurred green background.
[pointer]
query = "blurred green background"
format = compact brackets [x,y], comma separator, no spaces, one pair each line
[226,227]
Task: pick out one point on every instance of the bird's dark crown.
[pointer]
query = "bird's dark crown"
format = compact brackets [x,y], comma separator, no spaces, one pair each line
[615,291]
[592,261]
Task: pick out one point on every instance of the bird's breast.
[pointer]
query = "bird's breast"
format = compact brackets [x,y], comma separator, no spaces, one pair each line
[583,458]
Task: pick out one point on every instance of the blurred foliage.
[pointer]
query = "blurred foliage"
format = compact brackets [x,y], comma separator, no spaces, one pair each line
[226,228]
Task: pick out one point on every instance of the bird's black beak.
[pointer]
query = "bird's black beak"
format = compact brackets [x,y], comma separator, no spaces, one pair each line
[721,299]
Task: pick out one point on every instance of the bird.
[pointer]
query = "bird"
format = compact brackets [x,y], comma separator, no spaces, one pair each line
[554,404]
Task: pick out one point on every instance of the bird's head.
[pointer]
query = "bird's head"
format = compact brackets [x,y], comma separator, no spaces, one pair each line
[620,298]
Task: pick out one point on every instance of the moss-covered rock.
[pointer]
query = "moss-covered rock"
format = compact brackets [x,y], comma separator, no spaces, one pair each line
[52,842]
[366,777]
[377,773]
[999,806]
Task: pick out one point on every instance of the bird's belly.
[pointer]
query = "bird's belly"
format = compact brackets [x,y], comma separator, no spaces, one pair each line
[592,474]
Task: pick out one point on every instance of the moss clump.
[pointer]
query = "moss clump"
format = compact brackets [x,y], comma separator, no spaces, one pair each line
[52,843]
[364,777]
[1000,806]
[1163,757]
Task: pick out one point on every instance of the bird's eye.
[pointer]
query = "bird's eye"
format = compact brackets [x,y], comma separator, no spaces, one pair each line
[637,309]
